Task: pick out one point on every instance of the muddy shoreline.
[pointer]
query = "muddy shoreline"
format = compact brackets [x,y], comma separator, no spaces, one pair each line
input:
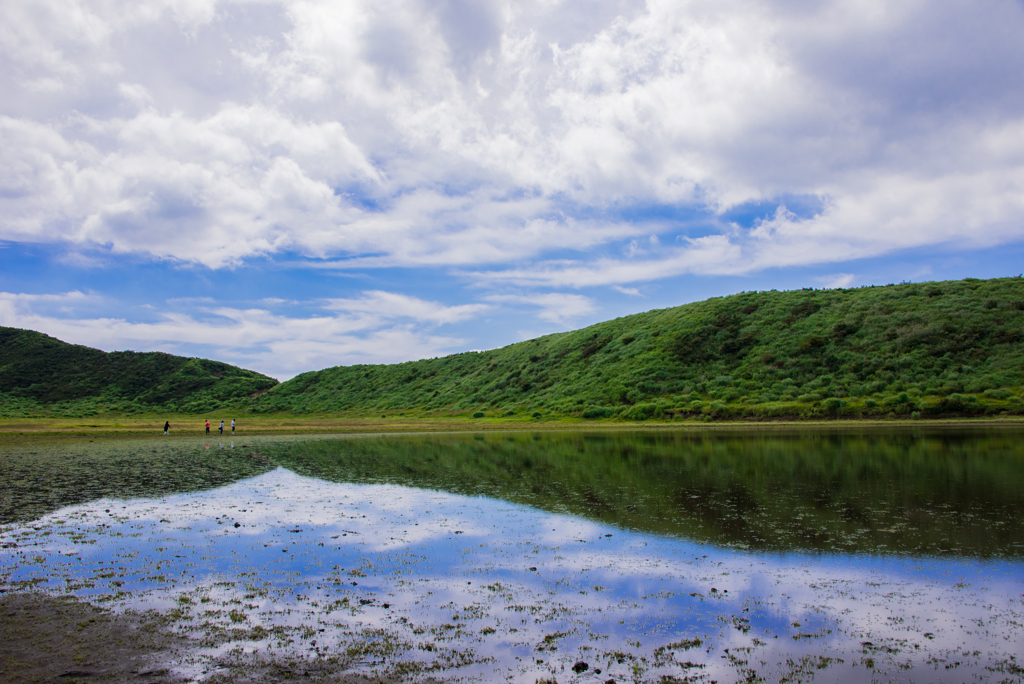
[63,639]
[67,640]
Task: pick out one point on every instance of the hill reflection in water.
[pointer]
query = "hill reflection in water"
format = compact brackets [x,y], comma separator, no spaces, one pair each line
[914,491]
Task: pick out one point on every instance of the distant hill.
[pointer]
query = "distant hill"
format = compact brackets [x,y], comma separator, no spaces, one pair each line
[43,375]
[915,349]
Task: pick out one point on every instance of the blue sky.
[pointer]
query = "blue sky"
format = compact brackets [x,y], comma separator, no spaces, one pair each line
[294,185]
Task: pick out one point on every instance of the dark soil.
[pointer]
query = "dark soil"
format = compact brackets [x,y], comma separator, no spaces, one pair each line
[61,640]
[47,639]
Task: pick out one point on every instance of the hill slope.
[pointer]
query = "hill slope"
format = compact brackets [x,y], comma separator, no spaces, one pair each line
[41,373]
[942,348]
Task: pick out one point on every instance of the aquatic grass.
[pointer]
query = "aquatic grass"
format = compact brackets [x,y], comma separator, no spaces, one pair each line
[41,475]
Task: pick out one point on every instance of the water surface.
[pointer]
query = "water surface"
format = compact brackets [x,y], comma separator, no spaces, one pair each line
[650,556]
[916,491]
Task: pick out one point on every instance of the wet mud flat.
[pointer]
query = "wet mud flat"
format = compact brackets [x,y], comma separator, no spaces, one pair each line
[47,638]
[63,639]
[279,576]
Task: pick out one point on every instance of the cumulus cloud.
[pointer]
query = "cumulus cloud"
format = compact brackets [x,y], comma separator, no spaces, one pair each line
[409,133]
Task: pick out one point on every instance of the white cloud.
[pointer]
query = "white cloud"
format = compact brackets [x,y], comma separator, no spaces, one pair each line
[370,134]
[393,305]
[837,280]
[877,216]
[555,307]
[12,300]
[715,254]
[136,94]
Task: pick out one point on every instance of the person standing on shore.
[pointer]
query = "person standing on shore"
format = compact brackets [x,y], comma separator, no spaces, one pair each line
[167,426]
[232,426]
[221,427]
[207,426]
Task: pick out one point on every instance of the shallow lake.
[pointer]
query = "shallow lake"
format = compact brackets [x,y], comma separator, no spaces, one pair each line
[847,555]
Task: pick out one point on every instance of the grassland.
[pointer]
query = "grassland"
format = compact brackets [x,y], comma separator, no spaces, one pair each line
[14,430]
[915,351]
[924,350]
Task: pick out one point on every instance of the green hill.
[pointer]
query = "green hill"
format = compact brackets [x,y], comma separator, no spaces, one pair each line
[928,349]
[40,375]
[917,349]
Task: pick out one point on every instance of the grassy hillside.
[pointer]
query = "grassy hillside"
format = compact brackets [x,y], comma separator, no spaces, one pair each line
[928,349]
[40,375]
[913,350]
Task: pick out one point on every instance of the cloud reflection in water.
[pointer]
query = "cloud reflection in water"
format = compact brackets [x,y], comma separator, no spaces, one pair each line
[472,586]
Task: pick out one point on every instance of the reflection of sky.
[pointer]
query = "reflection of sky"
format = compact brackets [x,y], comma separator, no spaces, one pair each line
[288,551]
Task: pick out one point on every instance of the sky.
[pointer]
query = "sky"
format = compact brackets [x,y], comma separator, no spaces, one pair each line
[289,185]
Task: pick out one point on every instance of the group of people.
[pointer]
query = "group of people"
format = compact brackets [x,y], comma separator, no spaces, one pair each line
[167,426]
[221,426]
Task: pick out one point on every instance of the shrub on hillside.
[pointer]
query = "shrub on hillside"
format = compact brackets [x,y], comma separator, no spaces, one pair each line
[598,412]
[834,406]
[642,411]
[955,403]
[718,409]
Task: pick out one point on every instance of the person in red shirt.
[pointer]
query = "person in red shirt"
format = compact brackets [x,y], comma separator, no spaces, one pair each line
[207,426]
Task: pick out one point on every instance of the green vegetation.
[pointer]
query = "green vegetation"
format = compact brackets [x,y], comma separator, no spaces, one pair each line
[915,350]
[40,375]
[910,350]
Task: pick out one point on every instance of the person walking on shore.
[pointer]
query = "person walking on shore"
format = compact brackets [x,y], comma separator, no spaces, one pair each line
[221,427]
[232,426]
[167,426]
[207,426]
